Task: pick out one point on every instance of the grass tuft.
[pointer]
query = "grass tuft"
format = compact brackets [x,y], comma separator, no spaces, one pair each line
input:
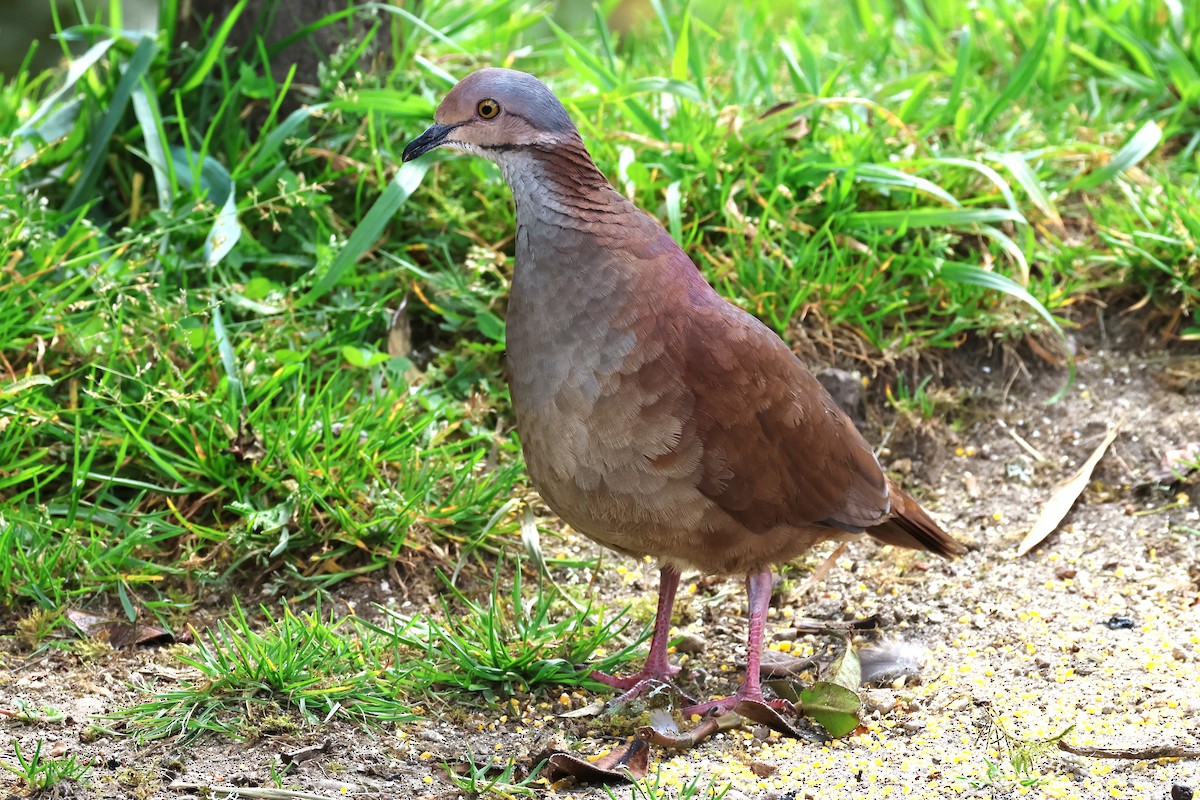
[40,773]
[507,645]
[302,670]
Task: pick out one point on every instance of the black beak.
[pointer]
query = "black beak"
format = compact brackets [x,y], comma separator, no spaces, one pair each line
[434,136]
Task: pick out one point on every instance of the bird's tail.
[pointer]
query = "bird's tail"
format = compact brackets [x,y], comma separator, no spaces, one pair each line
[909,526]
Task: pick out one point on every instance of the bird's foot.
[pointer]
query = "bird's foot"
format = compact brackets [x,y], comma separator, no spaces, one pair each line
[663,675]
[643,683]
[726,705]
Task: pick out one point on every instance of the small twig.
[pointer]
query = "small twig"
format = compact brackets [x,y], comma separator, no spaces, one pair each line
[1130,753]
[1026,446]
[824,569]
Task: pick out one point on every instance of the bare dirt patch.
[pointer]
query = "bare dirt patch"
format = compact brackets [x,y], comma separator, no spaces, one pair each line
[1098,628]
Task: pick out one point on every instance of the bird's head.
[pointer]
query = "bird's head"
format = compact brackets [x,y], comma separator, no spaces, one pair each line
[495,111]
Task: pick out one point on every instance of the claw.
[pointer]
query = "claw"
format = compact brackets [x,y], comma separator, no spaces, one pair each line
[726,705]
[644,675]
[641,684]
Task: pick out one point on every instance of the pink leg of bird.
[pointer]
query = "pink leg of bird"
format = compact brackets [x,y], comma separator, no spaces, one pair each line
[657,671]
[758,599]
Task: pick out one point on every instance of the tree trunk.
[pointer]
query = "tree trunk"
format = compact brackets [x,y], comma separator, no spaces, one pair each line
[277,20]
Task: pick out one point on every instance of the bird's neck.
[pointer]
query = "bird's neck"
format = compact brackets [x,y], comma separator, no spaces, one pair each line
[558,186]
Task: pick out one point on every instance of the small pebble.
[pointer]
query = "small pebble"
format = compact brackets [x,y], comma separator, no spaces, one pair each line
[879,701]
[1117,623]
[1182,792]
[691,643]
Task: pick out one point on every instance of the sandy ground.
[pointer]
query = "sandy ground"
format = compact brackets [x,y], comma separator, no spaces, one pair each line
[1098,628]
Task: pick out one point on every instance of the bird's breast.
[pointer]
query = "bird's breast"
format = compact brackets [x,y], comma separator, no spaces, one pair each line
[601,407]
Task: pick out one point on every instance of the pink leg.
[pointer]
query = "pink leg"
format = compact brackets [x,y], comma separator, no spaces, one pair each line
[657,670]
[758,599]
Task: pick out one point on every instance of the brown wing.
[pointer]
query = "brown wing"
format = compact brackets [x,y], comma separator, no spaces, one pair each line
[776,449]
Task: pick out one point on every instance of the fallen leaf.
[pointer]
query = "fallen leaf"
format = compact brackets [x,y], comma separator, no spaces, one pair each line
[293,757]
[833,707]
[780,665]
[1064,497]
[663,731]
[117,632]
[399,337]
[763,714]
[846,671]
[624,764]
[834,703]
[246,447]
[805,625]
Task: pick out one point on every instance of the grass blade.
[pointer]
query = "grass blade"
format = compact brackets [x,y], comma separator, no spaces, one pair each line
[1136,148]
[212,50]
[932,217]
[407,179]
[76,70]
[977,276]
[103,133]
[1019,168]
[1022,78]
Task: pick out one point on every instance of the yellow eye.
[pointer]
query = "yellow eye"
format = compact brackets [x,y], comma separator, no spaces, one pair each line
[487,108]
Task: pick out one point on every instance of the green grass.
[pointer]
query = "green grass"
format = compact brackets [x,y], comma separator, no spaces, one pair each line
[510,644]
[295,671]
[1010,758]
[40,773]
[300,671]
[499,778]
[204,294]
[654,787]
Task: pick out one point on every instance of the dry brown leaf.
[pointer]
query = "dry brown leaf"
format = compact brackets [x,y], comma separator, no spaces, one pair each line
[763,714]
[117,632]
[246,446]
[1177,463]
[399,337]
[626,762]
[662,730]
[781,665]
[1064,497]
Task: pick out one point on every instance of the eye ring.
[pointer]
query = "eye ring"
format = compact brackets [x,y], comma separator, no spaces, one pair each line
[488,108]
